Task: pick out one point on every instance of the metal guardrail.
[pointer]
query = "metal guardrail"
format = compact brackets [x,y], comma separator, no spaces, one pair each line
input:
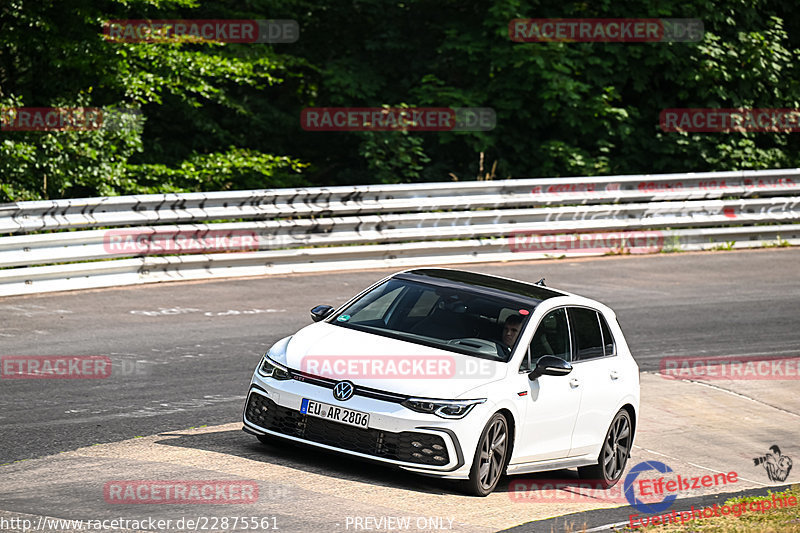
[28,217]
[316,229]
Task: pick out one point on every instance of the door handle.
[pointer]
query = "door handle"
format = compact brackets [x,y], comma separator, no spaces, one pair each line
[614,374]
[574,382]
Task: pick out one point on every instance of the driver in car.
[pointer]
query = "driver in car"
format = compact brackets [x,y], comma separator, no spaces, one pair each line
[511,329]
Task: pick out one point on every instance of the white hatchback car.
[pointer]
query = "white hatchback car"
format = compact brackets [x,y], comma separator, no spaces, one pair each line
[456,374]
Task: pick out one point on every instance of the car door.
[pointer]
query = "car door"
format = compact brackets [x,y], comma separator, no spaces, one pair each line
[599,374]
[551,403]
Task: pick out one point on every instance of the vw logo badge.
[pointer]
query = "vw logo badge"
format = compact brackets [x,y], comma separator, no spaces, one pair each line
[343,391]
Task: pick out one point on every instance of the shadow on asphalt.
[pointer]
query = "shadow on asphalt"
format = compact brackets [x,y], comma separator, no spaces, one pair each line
[306,458]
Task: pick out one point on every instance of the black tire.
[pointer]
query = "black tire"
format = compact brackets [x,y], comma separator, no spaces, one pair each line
[613,455]
[490,458]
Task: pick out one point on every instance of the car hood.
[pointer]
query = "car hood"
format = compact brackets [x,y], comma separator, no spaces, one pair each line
[387,364]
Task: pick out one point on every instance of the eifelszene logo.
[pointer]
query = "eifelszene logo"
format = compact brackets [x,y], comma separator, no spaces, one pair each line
[669,486]
[638,504]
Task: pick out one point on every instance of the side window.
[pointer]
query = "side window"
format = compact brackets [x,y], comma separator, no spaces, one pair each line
[551,338]
[586,331]
[608,340]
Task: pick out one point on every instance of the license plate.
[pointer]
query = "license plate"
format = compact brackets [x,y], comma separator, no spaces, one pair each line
[335,413]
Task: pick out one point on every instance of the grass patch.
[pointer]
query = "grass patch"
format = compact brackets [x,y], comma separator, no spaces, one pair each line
[726,246]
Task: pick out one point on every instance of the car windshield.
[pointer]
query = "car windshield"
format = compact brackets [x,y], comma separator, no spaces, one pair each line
[459,320]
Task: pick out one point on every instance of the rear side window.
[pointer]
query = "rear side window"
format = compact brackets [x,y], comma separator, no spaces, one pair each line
[586,332]
[609,346]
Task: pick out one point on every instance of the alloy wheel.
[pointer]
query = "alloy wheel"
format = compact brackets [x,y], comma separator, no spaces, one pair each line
[617,447]
[493,454]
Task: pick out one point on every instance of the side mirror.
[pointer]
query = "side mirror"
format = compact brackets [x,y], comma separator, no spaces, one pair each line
[321,312]
[550,365]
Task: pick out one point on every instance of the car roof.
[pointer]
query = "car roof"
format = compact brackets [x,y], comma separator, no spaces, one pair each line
[483,283]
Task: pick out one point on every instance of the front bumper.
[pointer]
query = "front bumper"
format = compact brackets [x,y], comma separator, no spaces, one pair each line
[397,436]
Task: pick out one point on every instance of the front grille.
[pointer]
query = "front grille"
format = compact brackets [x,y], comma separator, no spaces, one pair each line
[328,383]
[406,446]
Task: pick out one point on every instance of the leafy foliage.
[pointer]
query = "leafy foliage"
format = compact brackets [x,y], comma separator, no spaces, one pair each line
[226,116]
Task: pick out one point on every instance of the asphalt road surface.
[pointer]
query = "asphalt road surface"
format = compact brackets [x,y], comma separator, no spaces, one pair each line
[183,353]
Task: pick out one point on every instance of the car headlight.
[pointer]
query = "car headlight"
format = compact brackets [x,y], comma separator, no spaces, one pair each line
[270,369]
[442,408]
